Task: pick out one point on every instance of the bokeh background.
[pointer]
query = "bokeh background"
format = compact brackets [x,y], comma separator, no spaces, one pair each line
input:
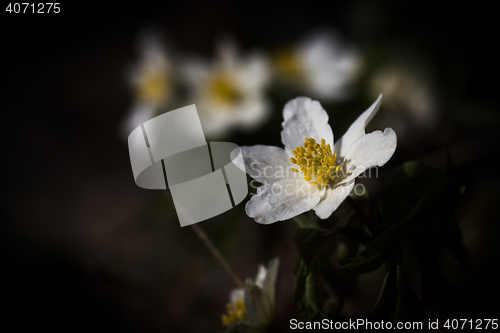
[83,248]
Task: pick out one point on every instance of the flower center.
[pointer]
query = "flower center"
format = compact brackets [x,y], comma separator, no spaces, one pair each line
[289,65]
[316,162]
[224,89]
[154,88]
[235,314]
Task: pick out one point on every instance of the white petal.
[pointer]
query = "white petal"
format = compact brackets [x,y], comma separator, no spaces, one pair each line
[333,198]
[269,283]
[330,64]
[253,72]
[304,118]
[195,71]
[357,128]
[266,164]
[282,200]
[261,276]
[373,149]
[252,112]
[258,305]
[217,119]
[236,294]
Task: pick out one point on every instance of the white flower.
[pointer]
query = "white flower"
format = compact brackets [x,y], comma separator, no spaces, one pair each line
[151,80]
[407,89]
[320,65]
[228,92]
[311,172]
[253,306]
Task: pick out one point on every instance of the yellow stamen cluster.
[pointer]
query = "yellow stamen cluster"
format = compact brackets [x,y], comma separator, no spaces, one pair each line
[235,314]
[224,89]
[289,66]
[154,88]
[315,161]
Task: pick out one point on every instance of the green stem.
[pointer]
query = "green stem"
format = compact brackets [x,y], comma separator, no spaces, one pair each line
[217,255]
[306,223]
[210,246]
[302,222]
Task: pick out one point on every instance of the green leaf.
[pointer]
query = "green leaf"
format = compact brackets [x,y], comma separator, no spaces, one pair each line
[390,301]
[308,241]
[435,286]
[402,189]
[304,222]
[347,250]
[424,205]
[400,287]
[337,283]
[364,265]
[440,201]
[411,175]
[387,293]
[300,285]
[348,247]
[373,255]
[308,291]
[454,240]
[313,289]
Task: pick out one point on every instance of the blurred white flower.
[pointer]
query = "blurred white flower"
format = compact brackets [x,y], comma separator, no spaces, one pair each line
[151,80]
[228,92]
[408,91]
[315,174]
[253,306]
[321,65]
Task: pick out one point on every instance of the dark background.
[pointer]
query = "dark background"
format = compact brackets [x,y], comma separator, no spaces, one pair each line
[83,248]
